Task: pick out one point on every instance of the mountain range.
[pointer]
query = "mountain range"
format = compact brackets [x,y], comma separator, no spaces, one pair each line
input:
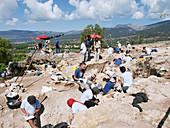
[117,31]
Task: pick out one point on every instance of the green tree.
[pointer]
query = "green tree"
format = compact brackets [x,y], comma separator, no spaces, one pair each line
[2,68]
[5,54]
[140,40]
[132,42]
[90,29]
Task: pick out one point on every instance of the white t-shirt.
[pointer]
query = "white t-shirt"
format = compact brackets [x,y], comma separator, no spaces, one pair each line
[119,45]
[127,78]
[83,47]
[110,50]
[127,58]
[128,47]
[112,74]
[77,107]
[30,108]
[97,44]
[148,51]
[86,96]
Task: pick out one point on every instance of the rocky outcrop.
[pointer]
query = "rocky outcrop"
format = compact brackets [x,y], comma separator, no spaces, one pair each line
[111,112]
[150,66]
[119,111]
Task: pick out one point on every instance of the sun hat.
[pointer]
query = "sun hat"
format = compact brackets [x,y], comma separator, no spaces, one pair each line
[70,101]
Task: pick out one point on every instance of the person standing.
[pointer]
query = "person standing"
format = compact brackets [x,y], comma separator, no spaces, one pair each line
[119,45]
[97,46]
[57,45]
[128,48]
[83,51]
[30,106]
[89,45]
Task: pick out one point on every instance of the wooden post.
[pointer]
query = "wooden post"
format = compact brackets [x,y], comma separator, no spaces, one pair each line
[110,37]
[28,66]
[32,38]
[24,68]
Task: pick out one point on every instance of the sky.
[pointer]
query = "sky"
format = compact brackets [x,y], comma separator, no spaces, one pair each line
[67,15]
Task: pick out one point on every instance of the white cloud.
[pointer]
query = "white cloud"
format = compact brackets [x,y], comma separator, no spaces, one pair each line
[12,22]
[138,15]
[7,8]
[101,9]
[38,11]
[157,7]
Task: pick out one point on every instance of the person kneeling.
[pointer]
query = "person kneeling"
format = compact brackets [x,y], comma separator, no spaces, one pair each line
[109,85]
[88,97]
[76,107]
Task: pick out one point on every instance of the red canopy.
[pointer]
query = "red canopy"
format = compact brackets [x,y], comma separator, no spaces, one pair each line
[41,36]
[95,36]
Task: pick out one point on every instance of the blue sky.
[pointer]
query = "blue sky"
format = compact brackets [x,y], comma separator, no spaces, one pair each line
[66,15]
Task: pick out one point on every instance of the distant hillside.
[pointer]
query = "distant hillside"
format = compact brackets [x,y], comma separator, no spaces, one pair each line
[21,35]
[118,31]
[131,29]
[155,30]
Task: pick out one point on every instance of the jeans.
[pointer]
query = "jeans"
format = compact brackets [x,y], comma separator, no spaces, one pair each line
[88,53]
[58,50]
[125,88]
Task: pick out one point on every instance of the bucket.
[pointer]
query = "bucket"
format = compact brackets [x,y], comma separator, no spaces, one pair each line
[74,67]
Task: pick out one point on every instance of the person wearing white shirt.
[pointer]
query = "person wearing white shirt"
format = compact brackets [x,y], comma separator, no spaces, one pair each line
[86,96]
[97,46]
[128,48]
[119,45]
[127,58]
[30,106]
[88,99]
[147,52]
[110,51]
[83,50]
[126,79]
[110,73]
[76,107]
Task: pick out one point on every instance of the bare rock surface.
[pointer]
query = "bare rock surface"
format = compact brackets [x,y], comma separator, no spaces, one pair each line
[115,112]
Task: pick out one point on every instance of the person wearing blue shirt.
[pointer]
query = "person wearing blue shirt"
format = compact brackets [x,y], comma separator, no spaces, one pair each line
[80,79]
[116,50]
[79,73]
[109,85]
[56,44]
[117,62]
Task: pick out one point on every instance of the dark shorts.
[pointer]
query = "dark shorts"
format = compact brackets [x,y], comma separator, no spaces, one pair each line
[125,88]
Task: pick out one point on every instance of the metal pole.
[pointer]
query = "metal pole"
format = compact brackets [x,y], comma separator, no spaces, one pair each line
[28,66]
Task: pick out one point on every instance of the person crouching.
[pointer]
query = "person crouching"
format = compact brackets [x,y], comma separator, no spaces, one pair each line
[30,106]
